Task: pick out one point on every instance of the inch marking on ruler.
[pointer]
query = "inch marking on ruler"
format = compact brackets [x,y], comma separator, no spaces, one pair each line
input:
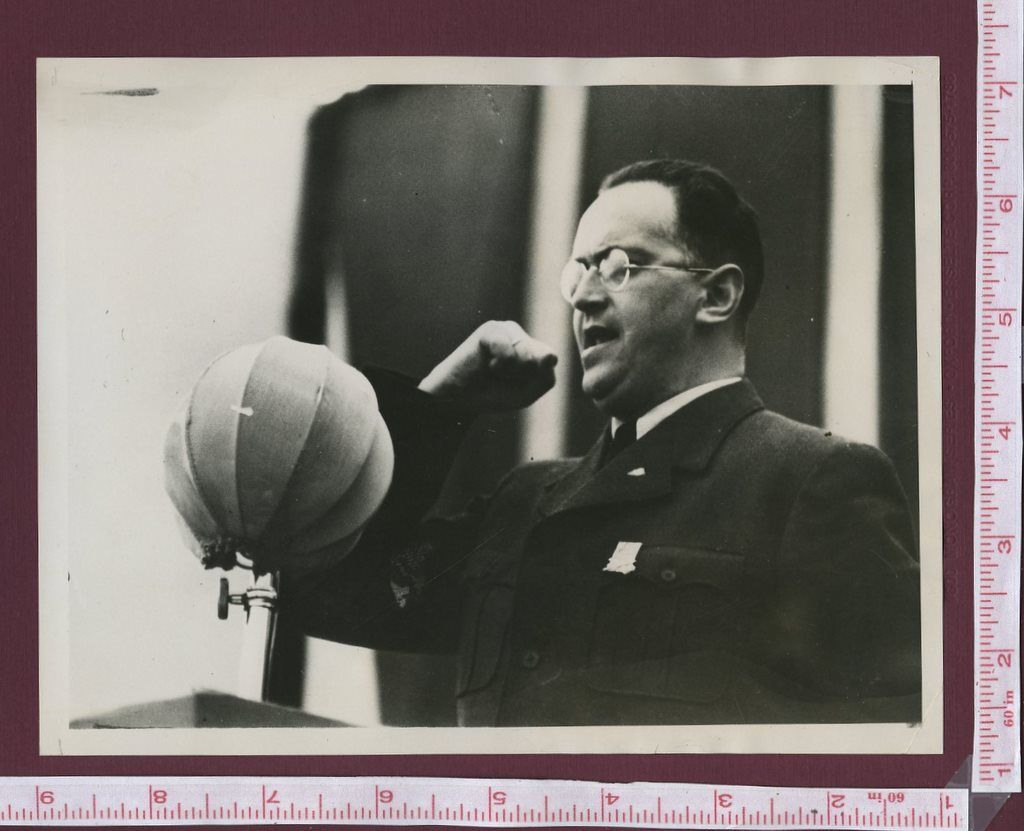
[126,801]
[997,417]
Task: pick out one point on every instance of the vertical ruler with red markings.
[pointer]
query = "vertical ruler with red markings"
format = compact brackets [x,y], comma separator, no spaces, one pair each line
[997,493]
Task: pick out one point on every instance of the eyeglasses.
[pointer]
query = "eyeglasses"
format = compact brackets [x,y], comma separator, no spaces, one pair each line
[614,271]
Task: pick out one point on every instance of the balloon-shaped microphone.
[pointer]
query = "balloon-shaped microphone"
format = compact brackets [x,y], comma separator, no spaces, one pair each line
[279,455]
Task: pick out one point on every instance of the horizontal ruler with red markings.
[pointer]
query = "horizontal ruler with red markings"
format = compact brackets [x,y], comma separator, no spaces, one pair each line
[127,801]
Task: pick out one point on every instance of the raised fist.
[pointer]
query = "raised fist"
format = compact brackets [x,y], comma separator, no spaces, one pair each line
[497,368]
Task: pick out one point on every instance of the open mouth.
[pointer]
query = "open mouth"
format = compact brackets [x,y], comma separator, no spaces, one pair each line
[596,335]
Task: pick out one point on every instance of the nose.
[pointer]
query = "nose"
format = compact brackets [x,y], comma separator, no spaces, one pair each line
[590,292]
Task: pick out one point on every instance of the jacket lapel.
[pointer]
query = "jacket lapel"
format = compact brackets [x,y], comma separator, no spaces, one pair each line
[687,440]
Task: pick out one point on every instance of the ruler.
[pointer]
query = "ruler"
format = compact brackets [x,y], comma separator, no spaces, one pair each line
[126,801]
[997,416]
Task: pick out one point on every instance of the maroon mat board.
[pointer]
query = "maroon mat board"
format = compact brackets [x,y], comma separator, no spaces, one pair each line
[945,28]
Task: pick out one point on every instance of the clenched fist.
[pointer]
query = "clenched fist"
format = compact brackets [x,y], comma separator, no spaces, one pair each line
[497,368]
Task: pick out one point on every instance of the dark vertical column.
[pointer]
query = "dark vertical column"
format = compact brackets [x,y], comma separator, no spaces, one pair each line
[287,666]
[306,313]
[429,226]
[898,313]
[317,218]
[418,197]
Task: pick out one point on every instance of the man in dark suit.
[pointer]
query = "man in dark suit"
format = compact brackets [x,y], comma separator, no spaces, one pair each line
[708,561]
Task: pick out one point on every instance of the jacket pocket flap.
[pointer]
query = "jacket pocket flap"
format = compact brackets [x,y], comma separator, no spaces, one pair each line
[672,566]
[698,677]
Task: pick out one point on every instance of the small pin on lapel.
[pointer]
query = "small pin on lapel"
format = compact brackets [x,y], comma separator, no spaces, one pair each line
[623,559]
[637,471]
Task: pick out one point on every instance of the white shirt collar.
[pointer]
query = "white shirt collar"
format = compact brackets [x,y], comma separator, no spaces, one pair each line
[653,417]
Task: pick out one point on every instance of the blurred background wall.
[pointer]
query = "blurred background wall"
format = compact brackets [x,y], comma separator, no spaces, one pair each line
[168,198]
[429,210]
[222,205]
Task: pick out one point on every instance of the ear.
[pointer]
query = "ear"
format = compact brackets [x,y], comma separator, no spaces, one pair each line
[723,290]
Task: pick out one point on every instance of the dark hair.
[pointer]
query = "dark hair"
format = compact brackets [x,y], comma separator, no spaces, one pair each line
[713,222]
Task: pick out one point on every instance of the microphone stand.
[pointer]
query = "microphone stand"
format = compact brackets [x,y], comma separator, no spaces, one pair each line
[260,603]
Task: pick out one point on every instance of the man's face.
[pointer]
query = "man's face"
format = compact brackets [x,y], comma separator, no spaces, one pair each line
[635,345]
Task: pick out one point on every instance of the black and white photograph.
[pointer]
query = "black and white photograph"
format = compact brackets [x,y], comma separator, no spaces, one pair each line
[526,405]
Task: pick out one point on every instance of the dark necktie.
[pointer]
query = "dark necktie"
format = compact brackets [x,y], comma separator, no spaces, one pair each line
[623,438]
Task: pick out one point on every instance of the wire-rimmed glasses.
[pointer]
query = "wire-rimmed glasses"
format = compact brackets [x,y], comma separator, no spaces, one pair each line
[614,271]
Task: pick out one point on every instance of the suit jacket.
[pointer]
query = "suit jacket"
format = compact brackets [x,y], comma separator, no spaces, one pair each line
[775,578]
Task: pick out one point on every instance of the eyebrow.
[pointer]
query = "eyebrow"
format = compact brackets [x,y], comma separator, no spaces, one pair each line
[629,250]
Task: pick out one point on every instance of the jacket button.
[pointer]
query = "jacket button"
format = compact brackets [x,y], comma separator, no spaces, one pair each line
[530,659]
[668,574]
